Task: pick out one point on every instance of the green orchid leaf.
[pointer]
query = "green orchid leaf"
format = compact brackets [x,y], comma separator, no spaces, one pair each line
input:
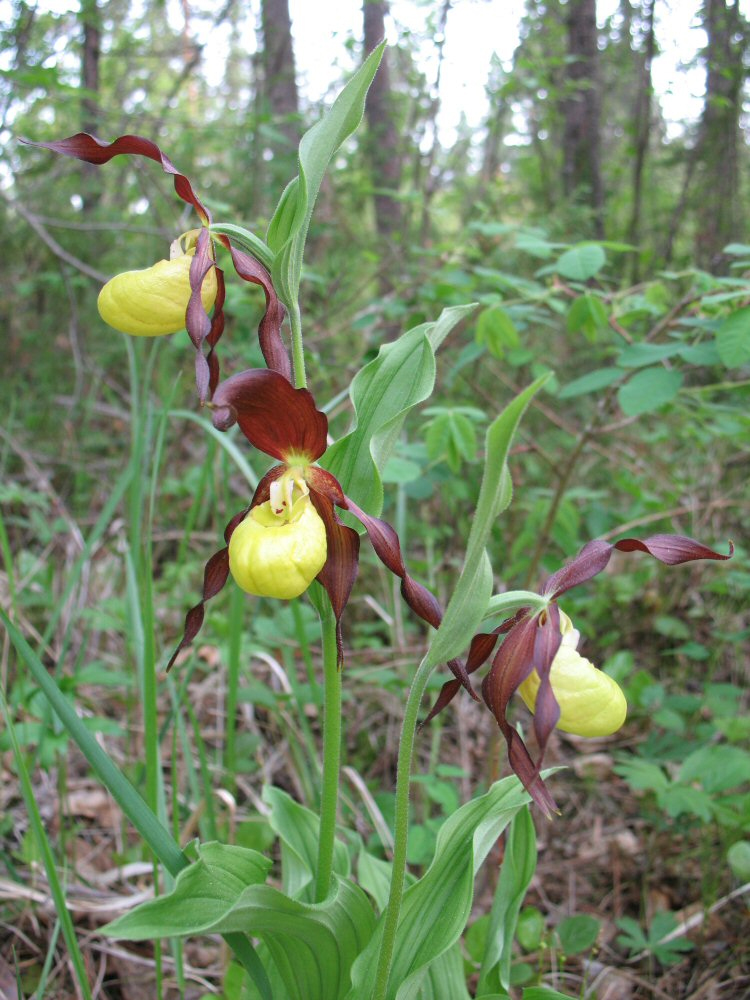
[202,894]
[436,907]
[382,393]
[543,993]
[298,829]
[374,875]
[473,590]
[312,946]
[519,865]
[287,231]
[445,978]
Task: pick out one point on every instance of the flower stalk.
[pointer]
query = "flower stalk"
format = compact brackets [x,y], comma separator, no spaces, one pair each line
[329,797]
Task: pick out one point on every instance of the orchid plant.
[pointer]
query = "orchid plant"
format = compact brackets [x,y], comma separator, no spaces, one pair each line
[324,935]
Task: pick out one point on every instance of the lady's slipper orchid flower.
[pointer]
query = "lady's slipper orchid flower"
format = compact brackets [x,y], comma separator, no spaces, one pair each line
[291,534]
[205,279]
[528,655]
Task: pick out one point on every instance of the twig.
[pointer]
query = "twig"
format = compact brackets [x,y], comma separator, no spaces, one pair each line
[53,245]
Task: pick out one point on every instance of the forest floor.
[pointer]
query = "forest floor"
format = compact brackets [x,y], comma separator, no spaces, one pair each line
[606,855]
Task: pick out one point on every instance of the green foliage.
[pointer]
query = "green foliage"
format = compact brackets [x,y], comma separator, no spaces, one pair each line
[402,375]
[436,907]
[655,939]
[644,426]
[287,230]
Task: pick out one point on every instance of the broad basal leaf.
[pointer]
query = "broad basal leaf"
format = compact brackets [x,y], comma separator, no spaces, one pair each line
[298,829]
[519,865]
[202,894]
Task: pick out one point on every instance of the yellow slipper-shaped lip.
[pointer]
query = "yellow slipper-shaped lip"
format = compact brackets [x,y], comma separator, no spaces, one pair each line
[269,557]
[591,702]
[152,302]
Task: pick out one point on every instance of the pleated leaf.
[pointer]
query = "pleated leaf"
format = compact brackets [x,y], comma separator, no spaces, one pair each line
[436,908]
[203,893]
[298,830]
[473,590]
[519,865]
[382,393]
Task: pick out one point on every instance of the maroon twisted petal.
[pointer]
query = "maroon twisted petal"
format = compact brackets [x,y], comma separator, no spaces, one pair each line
[87,147]
[423,602]
[215,576]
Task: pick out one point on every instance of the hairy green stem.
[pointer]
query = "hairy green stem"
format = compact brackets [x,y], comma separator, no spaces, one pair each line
[298,350]
[401,826]
[329,798]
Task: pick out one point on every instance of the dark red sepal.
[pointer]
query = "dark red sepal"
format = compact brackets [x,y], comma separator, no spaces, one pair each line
[546,644]
[591,560]
[215,576]
[274,416]
[479,652]
[214,334]
[325,483]
[269,330]
[512,664]
[422,601]
[87,147]
[388,549]
[341,565]
[672,549]
[595,555]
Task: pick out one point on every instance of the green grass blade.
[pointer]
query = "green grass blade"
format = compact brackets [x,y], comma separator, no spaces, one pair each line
[42,841]
[224,440]
[131,803]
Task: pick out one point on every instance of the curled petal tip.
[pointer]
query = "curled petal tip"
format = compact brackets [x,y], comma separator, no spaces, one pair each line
[222,417]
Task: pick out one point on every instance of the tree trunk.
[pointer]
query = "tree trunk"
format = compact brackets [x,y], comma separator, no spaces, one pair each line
[719,216]
[90,111]
[642,132]
[381,144]
[581,136]
[279,78]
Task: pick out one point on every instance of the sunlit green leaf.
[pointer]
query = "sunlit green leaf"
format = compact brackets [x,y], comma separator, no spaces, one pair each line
[649,390]
[581,262]
[435,909]
[402,375]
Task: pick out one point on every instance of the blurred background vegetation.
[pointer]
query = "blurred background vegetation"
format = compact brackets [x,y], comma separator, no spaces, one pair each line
[598,239]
